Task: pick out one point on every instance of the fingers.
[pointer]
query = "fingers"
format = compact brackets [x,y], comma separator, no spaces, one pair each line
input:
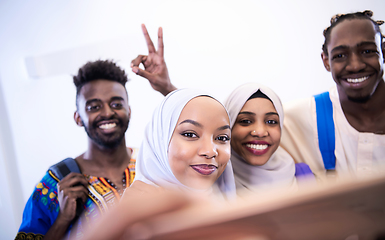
[138,60]
[150,45]
[73,179]
[160,42]
[142,73]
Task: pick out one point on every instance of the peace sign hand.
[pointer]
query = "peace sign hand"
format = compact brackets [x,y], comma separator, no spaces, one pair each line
[155,69]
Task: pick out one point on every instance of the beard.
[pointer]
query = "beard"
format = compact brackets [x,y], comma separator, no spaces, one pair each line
[359,99]
[109,141]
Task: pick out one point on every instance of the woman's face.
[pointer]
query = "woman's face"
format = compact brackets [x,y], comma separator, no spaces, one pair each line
[256,133]
[199,148]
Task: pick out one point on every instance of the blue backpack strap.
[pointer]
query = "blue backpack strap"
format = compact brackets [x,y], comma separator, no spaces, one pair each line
[325,128]
[63,168]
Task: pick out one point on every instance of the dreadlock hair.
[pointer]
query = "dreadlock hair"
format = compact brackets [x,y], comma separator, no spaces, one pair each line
[91,71]
[338,18]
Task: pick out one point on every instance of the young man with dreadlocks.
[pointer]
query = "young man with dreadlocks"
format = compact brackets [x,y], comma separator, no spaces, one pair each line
[104,170]
[343,130]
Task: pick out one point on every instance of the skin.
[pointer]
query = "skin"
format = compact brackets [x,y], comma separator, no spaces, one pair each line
[100,102]
[354,52]
[258,124]
[199,148]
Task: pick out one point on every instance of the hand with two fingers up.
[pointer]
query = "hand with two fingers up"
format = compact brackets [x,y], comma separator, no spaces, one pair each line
[155,69]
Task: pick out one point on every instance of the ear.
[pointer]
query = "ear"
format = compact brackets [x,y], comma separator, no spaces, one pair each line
[129,112]
[77,119]
[325,60]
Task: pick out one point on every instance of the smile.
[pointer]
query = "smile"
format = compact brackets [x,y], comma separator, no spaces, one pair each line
[257,146]
[357,80]
[204,169]
[107,126]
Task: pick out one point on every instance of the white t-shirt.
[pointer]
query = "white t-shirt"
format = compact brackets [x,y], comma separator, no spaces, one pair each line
[358,153]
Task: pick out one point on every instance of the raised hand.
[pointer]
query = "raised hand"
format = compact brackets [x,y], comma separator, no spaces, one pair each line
[155,69]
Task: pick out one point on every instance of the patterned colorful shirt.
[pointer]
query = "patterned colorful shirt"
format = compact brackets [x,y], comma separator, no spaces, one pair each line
[42,207]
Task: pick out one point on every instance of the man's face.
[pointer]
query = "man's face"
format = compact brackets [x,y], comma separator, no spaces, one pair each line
[104,112]
[355,59]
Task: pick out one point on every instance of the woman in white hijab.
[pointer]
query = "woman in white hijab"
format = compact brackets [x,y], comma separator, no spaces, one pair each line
[187,146]
[256,117]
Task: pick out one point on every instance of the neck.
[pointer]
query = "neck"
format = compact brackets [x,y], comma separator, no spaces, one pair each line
[107,158]
[366,116]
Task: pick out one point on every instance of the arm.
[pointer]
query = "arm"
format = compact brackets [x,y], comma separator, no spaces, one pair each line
[155,69]
[70,188]
[139,203]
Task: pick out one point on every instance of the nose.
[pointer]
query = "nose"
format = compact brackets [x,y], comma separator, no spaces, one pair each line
[208,148]
[107,111]
[355,63]
[259,130]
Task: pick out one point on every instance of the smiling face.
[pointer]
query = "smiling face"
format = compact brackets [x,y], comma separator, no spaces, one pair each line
[199,148]
[256,133]
[355,59]
[104,112]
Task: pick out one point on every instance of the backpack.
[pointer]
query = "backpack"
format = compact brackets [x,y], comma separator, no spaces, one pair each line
[62,169]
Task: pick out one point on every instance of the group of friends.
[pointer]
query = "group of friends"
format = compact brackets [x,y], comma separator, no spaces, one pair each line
[199,146]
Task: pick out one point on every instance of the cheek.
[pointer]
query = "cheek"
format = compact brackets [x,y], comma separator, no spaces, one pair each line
[238,133]
[224,154]
[178,155]
[275,134]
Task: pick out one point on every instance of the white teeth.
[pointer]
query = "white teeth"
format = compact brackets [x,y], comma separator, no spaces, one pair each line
[357,80]
[107,126]
[257,146]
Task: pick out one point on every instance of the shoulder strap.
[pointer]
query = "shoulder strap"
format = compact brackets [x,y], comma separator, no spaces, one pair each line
[325,128]
[63,168]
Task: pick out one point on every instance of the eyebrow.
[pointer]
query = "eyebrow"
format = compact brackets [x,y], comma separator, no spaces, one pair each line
[342,47]
[251,113]
[247,113]
[272,113]
[195,123]
[116,98]
[92,100]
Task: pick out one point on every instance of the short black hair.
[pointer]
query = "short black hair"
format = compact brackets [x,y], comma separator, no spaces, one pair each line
[96,70]
[338,18]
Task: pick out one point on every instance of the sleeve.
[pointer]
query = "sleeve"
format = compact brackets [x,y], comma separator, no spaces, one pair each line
[299,135]
[41,210]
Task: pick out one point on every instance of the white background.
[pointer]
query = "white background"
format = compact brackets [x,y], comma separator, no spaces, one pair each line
[216,45]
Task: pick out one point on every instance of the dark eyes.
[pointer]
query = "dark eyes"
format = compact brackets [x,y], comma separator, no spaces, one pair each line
[272,122]
[223,138]
[93,108]
[116,105]
[193,135]
[246,122]
[96,107]
[189,135]
[363,52]
[338,56]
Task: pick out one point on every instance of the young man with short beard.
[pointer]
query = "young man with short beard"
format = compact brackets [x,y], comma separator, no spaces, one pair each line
[354,135]
[107,166]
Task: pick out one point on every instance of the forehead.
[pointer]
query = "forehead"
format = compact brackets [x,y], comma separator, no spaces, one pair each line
[203,108]
[352,32]
[259,106]
[103,90]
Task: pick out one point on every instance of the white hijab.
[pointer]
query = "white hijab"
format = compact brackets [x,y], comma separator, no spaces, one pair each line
[152,165]
[279,170]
